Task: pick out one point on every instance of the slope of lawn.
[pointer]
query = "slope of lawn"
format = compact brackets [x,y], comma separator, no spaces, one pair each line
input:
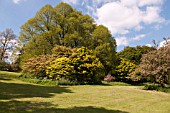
[17,96]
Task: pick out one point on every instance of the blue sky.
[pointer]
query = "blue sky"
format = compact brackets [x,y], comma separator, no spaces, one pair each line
[131,22]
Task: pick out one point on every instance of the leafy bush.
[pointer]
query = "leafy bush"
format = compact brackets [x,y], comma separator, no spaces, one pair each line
[88,68]
[124,68]
[37,66]
[82,67]
[152,86]
[60,68]
[155,66]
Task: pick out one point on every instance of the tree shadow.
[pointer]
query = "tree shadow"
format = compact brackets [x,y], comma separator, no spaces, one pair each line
[4,77]
[15,91]
[43,107]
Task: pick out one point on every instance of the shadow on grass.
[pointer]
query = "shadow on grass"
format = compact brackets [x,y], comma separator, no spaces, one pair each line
[4,77]
[42,107]
[15,91]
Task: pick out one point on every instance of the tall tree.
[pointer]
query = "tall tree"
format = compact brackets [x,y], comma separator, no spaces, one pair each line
[7,43]
[61,25]
[65,26]
[104,46]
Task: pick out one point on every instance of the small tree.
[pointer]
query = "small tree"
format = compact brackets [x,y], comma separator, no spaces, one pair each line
[155,66]
[7,43]
[124,68]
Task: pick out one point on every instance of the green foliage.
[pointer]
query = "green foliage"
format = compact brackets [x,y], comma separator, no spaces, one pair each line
[124,68]
[53,28]
[62,51]
[46,82]
[134,54]
[104,46]
[157,87]
[60,68]
[155,66]
[88,68]
[152,86]
[61,25]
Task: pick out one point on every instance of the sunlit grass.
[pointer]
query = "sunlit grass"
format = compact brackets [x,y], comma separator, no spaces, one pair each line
[17,96]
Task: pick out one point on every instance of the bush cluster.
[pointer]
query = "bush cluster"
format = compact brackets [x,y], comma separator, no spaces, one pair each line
[79,66]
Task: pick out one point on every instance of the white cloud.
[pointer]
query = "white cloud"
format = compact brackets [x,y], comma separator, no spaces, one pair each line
[125,41]
[122,41]
[17,1]
[138,37]
[152,15]
[124,15]
[149,45]
[72,1]
[150,2]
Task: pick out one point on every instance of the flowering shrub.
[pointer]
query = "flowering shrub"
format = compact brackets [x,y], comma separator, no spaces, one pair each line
[109,78]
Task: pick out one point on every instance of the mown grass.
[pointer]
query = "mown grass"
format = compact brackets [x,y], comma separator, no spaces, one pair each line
[17,96]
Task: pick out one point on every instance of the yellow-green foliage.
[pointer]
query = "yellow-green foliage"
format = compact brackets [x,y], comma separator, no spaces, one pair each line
[125,68]
[81,67]
[88,68]
[60,68]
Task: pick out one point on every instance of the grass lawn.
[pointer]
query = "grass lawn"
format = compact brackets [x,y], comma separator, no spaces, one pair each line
[17,96]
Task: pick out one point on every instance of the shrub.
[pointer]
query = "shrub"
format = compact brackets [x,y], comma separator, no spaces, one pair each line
[152,86]
[60,68]
[82,67]
[109,78]
[155,66]
[88,68]
[37,66]
[124,69]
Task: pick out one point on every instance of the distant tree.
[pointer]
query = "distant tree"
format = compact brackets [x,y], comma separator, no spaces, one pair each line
[134,54]
[7,43]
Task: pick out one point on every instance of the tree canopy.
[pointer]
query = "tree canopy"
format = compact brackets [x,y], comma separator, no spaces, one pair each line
[134,54]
